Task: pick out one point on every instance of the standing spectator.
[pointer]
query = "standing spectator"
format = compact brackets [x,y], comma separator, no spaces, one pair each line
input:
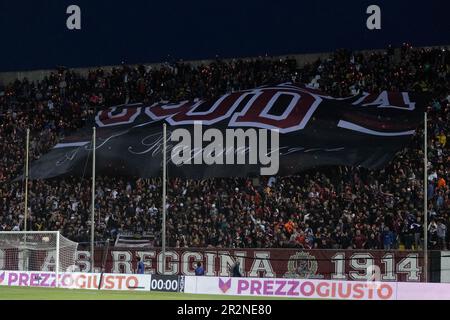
[372,242]
[359,240]
[235,271]
[388,239]
[441,232]
[199,271]
[417,230]
[433,241]
[140,266]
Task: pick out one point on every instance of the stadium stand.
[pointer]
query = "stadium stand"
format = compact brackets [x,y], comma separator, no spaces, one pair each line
[333,207]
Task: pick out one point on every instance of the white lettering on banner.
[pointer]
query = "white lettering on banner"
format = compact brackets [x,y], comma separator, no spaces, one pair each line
[361,262]
[171,264]
[210,267]
[295,117]
[298,110]
[109,118]
[340,265]
[122,262]
[410,266]
[49,261]
[221,109]
[188,265]
[84,261]
[388,261]
[394,100]
[261,266]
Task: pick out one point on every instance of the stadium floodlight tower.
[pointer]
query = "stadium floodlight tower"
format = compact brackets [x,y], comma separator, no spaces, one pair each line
[46,251]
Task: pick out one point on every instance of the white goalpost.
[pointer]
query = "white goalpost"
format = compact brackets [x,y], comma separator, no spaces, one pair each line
[37,251]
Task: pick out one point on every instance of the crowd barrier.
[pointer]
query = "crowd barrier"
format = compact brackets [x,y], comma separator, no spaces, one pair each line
[248,287]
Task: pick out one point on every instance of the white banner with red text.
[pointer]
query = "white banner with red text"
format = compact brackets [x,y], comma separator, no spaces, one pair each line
[76,280]
[317,289]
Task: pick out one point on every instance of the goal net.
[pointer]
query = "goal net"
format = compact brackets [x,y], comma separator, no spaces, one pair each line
[37,251]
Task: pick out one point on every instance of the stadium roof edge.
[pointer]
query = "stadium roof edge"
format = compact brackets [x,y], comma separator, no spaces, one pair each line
[302,59]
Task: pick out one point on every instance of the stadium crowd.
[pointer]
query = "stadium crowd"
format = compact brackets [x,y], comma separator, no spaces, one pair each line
[333,207]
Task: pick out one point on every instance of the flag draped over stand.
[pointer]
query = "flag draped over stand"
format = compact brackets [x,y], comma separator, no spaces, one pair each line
[314,129]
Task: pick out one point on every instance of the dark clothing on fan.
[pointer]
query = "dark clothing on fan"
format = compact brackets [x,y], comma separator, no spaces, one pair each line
[235,271]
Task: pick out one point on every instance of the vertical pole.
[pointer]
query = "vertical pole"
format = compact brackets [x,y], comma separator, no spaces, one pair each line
[25,227]
[93,200]
[425,197]
[57,259]
[26,180]
[164,203]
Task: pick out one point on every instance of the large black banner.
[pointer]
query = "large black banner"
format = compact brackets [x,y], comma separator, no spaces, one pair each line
[241,133]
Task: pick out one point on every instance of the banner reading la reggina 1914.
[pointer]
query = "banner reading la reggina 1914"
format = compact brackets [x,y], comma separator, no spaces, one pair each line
[267,263]
[280,263]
